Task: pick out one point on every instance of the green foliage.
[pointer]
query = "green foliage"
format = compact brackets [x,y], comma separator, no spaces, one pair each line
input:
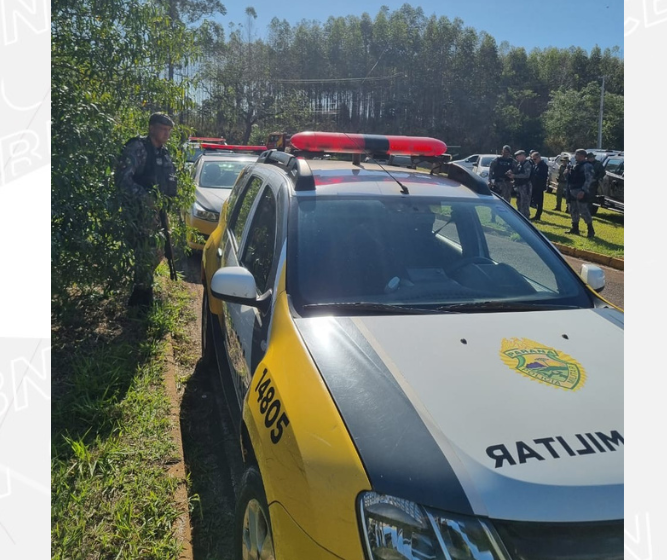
[398,72]
[571,121]
[108,61]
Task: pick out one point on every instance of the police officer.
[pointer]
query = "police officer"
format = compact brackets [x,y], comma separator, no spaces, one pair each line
[538,179]
[143,170]
[499,174]
[561,182]
[579,181]
[598,173]
[521,172]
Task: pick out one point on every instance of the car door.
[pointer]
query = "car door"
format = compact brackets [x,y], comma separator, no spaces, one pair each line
[255,223]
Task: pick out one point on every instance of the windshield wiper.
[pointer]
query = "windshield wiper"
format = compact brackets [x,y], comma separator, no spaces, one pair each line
[384,308]
[502,306]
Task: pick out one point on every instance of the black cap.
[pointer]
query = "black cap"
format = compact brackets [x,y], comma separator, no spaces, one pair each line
[160,118]
[590,155]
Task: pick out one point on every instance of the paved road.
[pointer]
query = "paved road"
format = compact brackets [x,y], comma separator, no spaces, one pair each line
[613,290]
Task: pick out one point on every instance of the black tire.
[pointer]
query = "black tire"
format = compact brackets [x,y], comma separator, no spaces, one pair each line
[593,209]
[252,501]
[207,349]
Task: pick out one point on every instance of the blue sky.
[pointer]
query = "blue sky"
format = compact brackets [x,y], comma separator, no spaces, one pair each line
[529,24]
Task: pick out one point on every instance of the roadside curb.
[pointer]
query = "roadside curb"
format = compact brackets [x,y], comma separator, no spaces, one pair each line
[182,528]
[597,258]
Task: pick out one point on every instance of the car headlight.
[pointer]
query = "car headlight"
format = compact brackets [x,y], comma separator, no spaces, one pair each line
[198,211]
[484,174]
[397,529]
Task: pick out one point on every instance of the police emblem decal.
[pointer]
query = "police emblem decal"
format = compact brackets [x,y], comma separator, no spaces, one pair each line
[542,363]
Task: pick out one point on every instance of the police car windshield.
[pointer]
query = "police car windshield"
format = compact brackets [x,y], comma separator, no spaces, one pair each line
[220,174]
[422,252]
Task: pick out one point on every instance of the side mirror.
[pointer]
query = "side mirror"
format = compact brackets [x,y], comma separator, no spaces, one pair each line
[236,284]
[593,276]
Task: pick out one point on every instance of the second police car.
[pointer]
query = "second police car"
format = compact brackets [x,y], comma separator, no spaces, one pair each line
[214,172]
[413,370]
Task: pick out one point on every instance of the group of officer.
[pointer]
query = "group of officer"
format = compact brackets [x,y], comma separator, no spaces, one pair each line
[577,183]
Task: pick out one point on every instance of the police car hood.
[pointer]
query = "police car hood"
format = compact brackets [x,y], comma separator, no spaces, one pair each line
[508,415]
[212,199]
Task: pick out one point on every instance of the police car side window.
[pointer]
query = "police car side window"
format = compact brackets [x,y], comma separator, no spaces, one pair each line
[241,207]
[260,244]
[613,165]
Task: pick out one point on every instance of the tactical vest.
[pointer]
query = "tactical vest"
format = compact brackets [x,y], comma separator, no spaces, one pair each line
[577,176]
[503,165]
[522,169]
[154,172]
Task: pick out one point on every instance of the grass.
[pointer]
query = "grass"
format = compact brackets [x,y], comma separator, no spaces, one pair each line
[111,434]
[609,239]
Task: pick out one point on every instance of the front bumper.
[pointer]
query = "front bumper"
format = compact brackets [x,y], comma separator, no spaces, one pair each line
[203,227]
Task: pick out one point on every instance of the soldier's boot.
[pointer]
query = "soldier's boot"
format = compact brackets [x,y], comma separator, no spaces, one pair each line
[591,231]
[574,229]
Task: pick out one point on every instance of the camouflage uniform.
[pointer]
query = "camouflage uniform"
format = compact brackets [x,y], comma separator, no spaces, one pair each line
[497,170]
[562,184]
[579,179]
[140,169]
[522,172]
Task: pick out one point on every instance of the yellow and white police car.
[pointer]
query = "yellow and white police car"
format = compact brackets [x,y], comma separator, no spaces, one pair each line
[214,173]
[413,369]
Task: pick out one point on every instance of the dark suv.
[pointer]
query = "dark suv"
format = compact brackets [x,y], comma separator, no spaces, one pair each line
[610,194]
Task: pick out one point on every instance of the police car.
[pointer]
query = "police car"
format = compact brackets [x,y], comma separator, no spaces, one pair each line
[214,172]
[412,369]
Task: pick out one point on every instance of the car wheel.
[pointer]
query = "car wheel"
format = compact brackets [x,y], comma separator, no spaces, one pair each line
[207,350]
[593,209]
[253,535]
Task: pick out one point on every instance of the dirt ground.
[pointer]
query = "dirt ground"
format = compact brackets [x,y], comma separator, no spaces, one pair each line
[212,458]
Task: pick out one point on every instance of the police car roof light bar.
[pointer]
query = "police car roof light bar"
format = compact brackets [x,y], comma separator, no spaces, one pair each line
[342,143]
[233,148]
[297,169]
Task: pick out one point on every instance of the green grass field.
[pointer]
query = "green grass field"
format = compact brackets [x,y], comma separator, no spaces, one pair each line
[111,438]
[608,226]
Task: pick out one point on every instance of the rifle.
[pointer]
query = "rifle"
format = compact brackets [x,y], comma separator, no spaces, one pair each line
[168,249]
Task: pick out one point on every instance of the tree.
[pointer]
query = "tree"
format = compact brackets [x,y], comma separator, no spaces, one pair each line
[107,61]
[571,121]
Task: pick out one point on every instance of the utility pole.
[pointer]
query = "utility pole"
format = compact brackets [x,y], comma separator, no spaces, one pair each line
[601,113]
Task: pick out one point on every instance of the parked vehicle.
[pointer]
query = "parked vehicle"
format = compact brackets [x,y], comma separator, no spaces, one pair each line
[468,162]
[411,369]
[610,194]
[483,164]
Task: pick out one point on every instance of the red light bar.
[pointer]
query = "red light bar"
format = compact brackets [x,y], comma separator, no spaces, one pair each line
[338,142]
[233,148]
[202,139]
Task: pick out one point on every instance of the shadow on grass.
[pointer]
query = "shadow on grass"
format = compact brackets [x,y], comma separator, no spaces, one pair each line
[213,462]
[98,346]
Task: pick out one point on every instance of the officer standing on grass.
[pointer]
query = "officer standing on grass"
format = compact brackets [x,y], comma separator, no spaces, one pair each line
[521,172]
[562,183]
[539,179]
[144,172]
[579,181]
[499,174]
